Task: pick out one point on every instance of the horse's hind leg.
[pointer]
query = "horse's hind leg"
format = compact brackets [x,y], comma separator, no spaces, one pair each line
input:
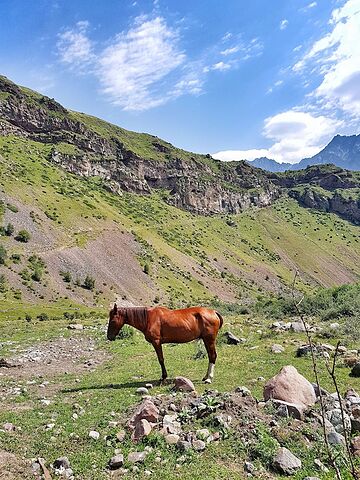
[211,351]
[159,353]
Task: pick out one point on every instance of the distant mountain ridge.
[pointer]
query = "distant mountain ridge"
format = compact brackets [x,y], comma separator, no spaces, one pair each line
[343,151]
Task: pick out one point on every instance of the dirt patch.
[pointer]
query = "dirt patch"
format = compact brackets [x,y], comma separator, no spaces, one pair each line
[39,364]
[13,467]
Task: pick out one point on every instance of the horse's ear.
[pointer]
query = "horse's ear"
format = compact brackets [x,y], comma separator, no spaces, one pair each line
[115,308]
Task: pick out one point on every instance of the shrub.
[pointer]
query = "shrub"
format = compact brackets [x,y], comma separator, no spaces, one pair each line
[15,258]
[126,332]
[9,229]
[12,208]
[147,268]
[3,255]
[23,236]
[89,283]
[43,317]
[66,276]
[3,284]
[28,318]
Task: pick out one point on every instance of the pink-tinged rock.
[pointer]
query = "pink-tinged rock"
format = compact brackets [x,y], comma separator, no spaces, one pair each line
[146,411]
[355,446]
[142,429]
[184,384]
[9,427]
[291,387]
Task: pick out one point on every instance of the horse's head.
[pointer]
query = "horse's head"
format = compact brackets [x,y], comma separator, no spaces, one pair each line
[116,322]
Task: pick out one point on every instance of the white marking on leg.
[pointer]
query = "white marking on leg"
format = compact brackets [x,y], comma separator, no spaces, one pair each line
[210,373]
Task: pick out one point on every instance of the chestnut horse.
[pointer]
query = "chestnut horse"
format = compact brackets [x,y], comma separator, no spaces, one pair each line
[162,325]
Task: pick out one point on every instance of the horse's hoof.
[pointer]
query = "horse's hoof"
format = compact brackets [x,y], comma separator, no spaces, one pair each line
[207,380]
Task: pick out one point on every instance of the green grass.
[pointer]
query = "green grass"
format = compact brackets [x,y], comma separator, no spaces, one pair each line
[111,388]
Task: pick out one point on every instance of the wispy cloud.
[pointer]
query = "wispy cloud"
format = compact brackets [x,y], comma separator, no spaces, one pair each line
[283,24]
[335,58]
[308,7]
[74,46]
[145,66]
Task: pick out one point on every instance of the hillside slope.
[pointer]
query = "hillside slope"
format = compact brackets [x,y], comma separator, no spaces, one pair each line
[101,206]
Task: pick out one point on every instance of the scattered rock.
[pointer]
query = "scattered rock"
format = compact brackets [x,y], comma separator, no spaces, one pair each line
[203,434]
[142,429]
[231,338]
[75,326]
[62,462]
[335,418]
[276,348]
[298,327]
[249,467]
[286,462]
[116,462]
[355,446]
[334,326]
[9,427]
[355,371]
[171,425]
[290,387]
[183,445]
[94,434]
[136,457]
[335,438]
[184,384]
[199,445]
[244,391]
[172,438]
[142,391]
[149,385]
[146,410]
[286,409]
[120,436]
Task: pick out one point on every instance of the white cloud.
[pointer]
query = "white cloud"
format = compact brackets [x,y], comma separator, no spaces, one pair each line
[74,46]
[131,68]
[145,66]
[336,59]
[283,24]
[310,6]
[295,135]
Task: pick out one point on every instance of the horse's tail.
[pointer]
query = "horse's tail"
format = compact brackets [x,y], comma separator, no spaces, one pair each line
[220,318]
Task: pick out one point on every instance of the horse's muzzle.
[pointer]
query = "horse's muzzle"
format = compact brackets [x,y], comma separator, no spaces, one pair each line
[111,338]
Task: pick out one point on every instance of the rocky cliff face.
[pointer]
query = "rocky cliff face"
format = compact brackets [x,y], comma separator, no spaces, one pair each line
[89,147]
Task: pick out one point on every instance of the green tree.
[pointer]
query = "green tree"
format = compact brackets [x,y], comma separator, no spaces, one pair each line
[9,229]
[3,255]
[23,236]
[89,283]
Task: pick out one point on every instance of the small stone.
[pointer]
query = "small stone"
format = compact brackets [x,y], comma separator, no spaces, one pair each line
[146,410]
[142,429]
[298,327]
[94,434]
[335,438]
[334,326]
[9,427]
[199,445]
[231,338]
[286,462]
[62,462]
[49,426]
[170,424]
[276,348]
[142,391]
[120,436]
[286,409]
[136,457]
[249,467]
[147,473]
[116,462]
[75,326]
[149,385]
[355,446]
[184,384]
[244,391]
[318,463]
[183,445]
[171,439]
[45,402]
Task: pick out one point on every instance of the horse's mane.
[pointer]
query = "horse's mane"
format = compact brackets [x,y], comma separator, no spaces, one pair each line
[136,315]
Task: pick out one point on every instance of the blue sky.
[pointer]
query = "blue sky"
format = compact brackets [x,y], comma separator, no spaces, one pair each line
[235,78]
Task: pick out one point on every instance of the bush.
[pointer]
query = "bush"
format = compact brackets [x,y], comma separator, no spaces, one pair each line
[147,268]
[43,317]
[28,318]
[15,258]
[9,229]
[89,283]
[3,255]
[23,236]
[126,332]
[12,208]
[66,276]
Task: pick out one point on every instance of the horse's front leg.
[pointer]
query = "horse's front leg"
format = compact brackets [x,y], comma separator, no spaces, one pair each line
[158,349]
[211,351]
